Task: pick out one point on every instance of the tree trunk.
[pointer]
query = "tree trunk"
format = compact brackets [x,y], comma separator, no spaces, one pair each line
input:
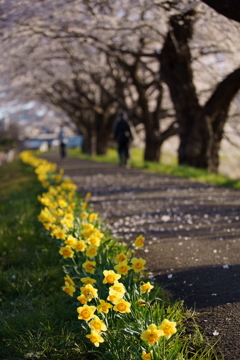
[89,141]
[102,145]
[152,149]
[102,133]
[86,145]
[205,139]
[177,73]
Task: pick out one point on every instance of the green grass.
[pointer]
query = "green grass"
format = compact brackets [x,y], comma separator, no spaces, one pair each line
[37,320]
[167,166]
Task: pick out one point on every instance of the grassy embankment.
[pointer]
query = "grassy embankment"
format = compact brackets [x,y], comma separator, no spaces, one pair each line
[38,320]
[167,166]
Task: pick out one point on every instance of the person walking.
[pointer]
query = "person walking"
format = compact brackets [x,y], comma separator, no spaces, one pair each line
[62,142]
[123,136]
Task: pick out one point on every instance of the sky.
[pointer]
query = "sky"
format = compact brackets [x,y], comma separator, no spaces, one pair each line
[14,106]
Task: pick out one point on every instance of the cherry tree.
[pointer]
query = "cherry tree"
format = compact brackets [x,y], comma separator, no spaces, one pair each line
[94,58]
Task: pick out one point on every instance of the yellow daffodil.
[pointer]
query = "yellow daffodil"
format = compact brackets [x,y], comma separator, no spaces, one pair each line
[87,280]
[62,203]
[141,302]
[88,195]
[117,287]
[58,178]
[68,211]
[91,251]
[93,217]
[152,334]
[84,206]
[93,240]
[97,324]
[68,289]
[52,227]
[59,233]
[83,300]
[138,264]
[53,206]
[47,226]
[67,223]
[71,241]
[69,217]
[98,234]
[87,232]
[89,291]
[86,312]
[46,216]
[68,280]
[120,258]
[52,191]
[122,268]
[44,201]
[104,306]
[139,242]
[87,226]
[147,356]
[66,251]
[95,338]
[80,245]
[146,287]
[114,297]
[122,306]
[84,215]
[68,185]
[168,327]
[72,206]
[89,266]
[110,277]
[59,212]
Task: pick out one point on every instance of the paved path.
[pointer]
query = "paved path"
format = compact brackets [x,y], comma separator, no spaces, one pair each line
[192,232]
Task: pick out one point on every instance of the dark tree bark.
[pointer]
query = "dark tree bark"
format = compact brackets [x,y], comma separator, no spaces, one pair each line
[101,140]
[103,124]
[177,73]
[205,139]
[89,138]
[151,123]
[228,8]
[152,150]
[200,128]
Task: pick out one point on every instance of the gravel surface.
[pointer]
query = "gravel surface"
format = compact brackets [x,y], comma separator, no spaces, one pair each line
[192,233]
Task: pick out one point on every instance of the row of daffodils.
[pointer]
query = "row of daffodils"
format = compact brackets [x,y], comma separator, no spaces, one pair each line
[120,312]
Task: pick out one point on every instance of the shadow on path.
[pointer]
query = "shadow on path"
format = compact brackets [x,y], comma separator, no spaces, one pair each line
[205,286]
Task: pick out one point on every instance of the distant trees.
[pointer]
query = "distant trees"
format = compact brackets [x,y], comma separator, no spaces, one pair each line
[94,58]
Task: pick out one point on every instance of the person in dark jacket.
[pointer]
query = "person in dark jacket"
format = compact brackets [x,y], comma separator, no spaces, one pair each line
[123,136]
[62,142]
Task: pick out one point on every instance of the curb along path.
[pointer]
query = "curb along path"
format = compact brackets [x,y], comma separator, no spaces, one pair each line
[192,233]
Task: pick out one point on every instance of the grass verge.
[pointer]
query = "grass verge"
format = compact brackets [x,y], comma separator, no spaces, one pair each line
[36,318]
[163,168]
